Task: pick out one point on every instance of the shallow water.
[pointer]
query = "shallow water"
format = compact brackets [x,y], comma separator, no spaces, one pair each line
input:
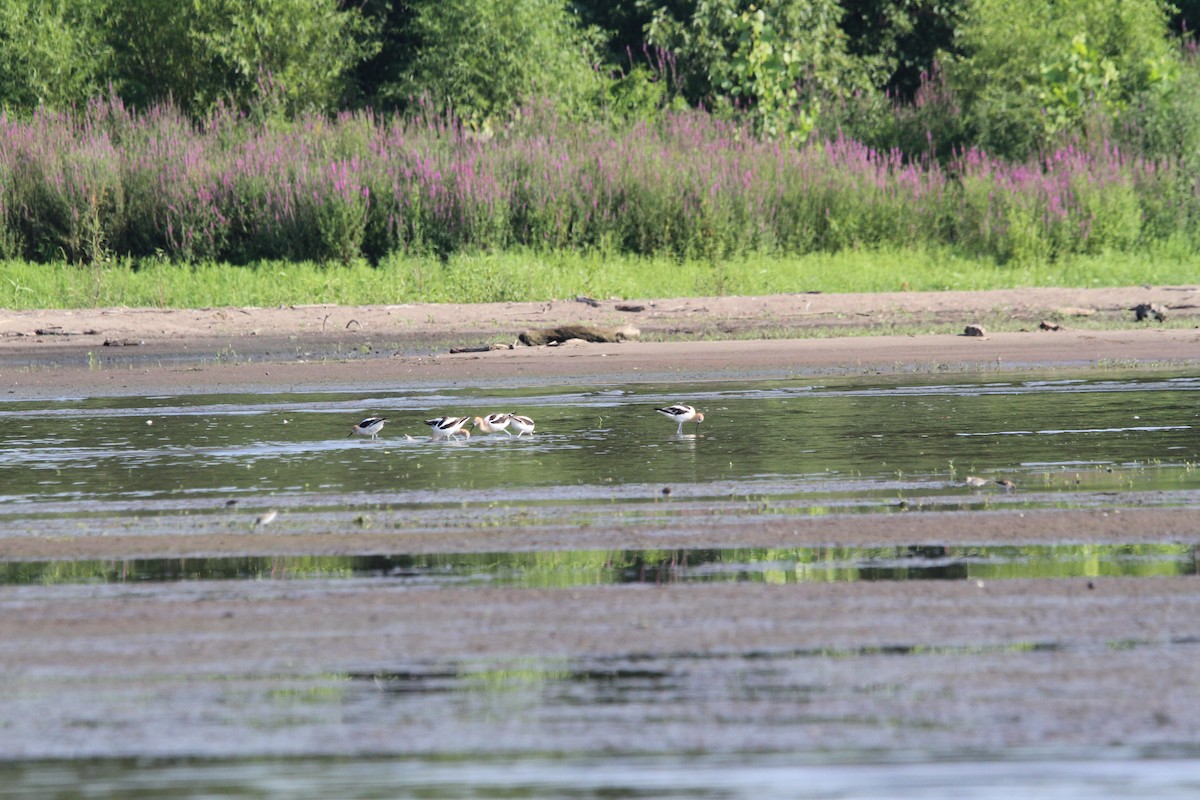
[1066,778]
[827,442]
[600,454]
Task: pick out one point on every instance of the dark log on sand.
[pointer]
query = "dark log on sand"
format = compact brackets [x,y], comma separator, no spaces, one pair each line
[588,333]
[1145,311]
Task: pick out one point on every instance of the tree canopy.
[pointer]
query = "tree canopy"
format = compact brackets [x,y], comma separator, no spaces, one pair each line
[1000,74]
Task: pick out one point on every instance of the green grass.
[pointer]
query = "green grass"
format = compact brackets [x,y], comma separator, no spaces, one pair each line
[514,276]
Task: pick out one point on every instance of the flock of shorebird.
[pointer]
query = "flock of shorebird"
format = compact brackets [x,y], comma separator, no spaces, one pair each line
[454,427]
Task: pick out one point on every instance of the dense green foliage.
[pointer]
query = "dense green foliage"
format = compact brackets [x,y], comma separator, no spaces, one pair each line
[243,130]
[51,53]
[196,54]
[1016,77]
[483,57]
[775,61]
[1028,76]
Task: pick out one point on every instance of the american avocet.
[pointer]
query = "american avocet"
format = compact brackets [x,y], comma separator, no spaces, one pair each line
[368,427]
[448,427]
[494,423]
[681,414]
[523,425]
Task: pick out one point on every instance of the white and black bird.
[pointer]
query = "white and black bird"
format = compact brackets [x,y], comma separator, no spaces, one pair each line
[681,414]
[448,427]
[522,425]
[371,426]
[494,423]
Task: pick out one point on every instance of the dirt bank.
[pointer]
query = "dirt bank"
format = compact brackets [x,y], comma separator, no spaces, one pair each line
[171,351]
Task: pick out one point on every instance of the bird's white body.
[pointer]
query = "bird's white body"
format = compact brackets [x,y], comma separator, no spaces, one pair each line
[522,425]
[494,423]
[681,414]
[368,427]
[448,427]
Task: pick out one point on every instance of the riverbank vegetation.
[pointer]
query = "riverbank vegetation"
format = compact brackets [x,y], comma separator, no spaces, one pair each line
[533,149]
[540,276]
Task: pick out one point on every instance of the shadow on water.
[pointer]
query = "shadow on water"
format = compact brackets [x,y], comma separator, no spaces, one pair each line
[562,569]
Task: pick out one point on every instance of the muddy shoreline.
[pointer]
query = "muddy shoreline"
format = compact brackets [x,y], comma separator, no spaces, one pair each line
[297,534]
[55,354]
[627,362]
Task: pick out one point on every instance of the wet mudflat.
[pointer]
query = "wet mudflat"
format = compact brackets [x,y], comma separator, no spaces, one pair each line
[803,594]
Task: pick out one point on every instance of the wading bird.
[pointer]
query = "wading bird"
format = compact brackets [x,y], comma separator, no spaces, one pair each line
[368,427]
[494,423]
[522,425]
[681,414]
[448,427]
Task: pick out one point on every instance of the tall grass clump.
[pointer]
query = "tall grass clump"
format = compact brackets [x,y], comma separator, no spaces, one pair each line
[104,182]
[63,193]
[1072,201]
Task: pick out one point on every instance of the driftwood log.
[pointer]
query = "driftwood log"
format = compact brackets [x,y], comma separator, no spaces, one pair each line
[481,348]
[1145,311]
[589,333]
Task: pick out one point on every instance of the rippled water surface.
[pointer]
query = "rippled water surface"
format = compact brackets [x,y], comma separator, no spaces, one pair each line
[662,777]
[830,443]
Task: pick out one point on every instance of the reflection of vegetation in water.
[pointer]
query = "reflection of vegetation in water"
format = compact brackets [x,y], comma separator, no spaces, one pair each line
[319,690]
[1094,560]
[172,569]
[564,569]
[513,686]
